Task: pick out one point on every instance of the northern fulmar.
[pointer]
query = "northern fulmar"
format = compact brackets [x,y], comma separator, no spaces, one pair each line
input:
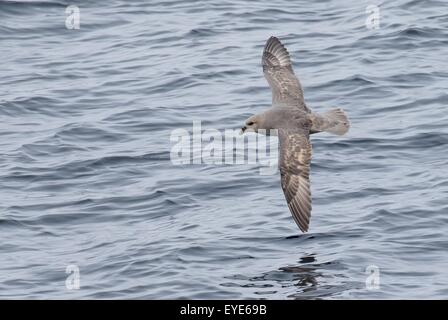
[294,123]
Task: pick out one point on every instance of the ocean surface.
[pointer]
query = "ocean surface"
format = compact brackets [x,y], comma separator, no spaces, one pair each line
[89,192]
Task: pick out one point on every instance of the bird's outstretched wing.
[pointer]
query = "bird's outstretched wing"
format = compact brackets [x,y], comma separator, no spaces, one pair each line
[294,164]
[277,69]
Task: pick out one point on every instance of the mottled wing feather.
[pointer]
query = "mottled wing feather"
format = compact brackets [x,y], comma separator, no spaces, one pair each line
[277,69]
[294,164]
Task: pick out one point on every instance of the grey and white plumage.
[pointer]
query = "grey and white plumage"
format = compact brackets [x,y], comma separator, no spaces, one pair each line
[295,122]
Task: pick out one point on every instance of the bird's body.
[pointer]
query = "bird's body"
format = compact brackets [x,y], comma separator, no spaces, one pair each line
[285,117]
[294,123]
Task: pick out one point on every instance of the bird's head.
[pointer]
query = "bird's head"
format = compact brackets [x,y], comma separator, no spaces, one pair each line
[251,124]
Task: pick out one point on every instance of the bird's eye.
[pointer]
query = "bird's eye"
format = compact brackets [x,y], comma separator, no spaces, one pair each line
[250,123]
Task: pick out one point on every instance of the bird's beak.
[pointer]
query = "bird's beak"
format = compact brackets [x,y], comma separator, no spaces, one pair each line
[242,130]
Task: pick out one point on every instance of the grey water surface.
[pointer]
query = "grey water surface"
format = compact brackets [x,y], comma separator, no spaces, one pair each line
[86,179]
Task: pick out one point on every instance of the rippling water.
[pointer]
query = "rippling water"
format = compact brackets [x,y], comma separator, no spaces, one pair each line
[85,171]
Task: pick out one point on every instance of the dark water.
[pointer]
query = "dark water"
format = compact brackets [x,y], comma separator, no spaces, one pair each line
[85,171]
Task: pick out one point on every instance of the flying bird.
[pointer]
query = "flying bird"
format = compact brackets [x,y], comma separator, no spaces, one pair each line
[294,122]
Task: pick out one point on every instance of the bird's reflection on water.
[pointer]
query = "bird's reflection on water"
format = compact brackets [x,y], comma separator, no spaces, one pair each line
[305,275]
[306,278]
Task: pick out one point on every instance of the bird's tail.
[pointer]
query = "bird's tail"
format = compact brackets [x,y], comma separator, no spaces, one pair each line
[334,121]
